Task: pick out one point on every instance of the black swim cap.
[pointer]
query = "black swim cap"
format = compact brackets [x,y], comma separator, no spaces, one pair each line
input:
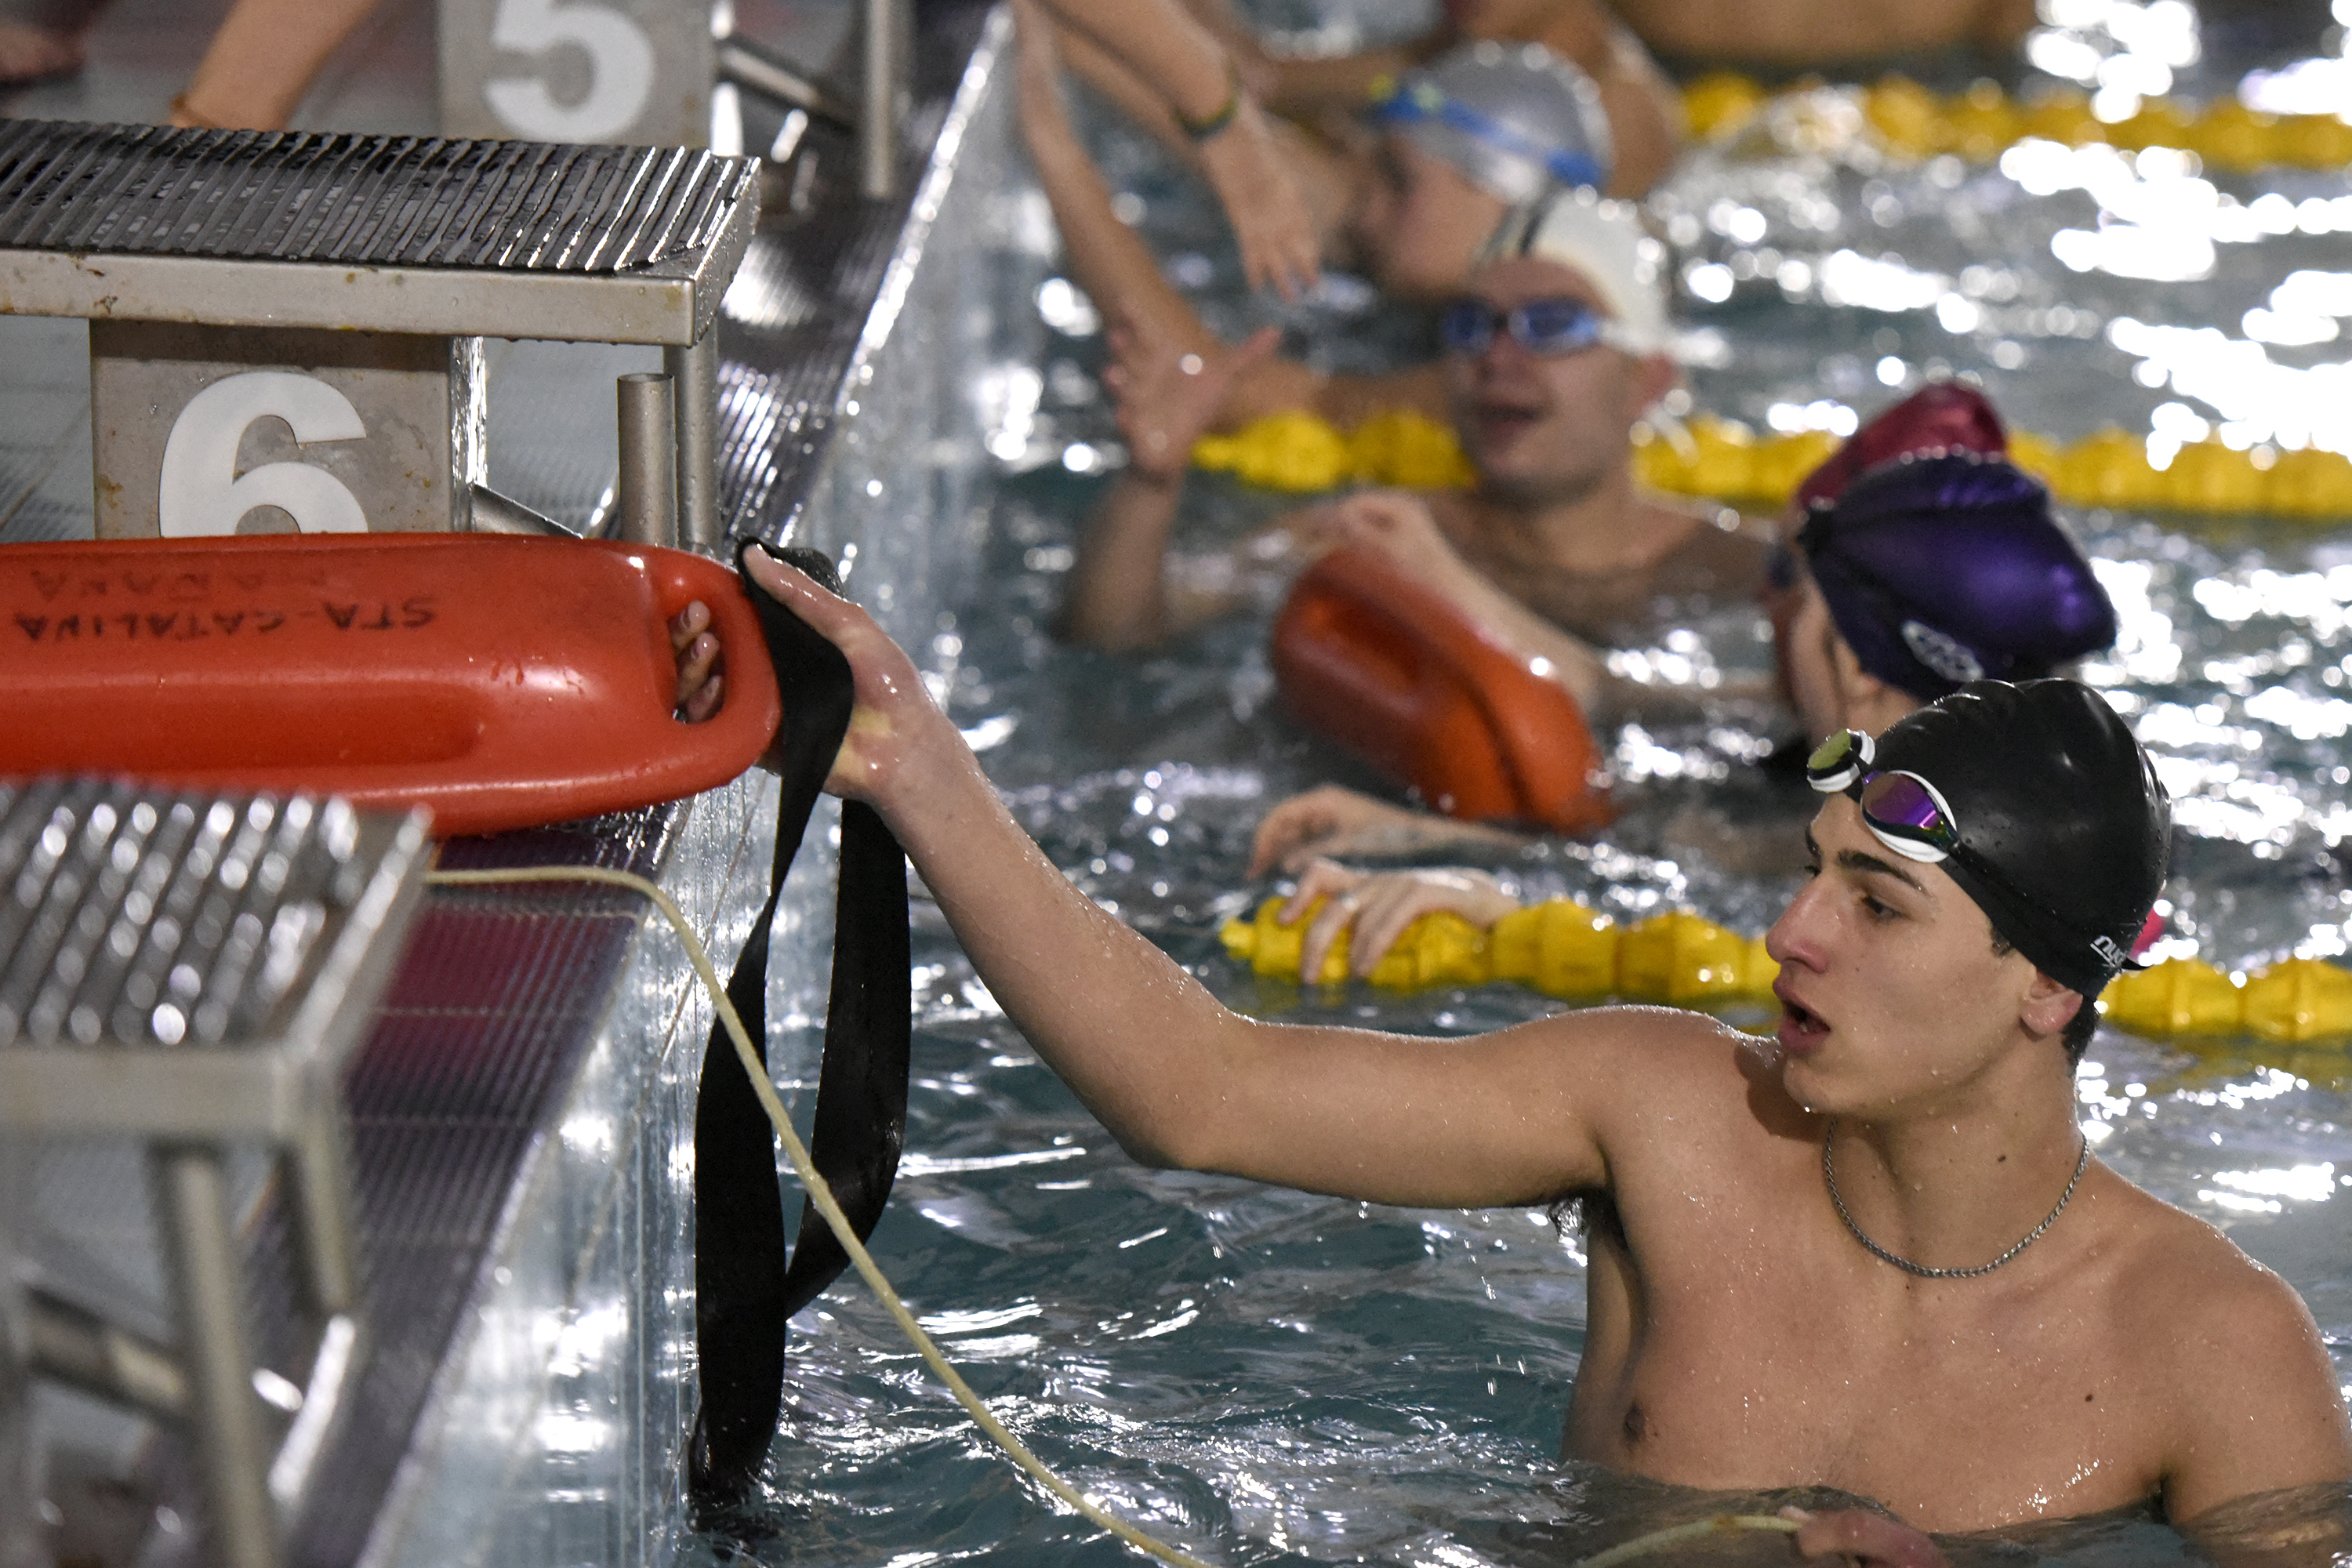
[2046,783]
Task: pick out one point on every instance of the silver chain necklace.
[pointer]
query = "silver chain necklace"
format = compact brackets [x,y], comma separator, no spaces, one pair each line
[1829,1175]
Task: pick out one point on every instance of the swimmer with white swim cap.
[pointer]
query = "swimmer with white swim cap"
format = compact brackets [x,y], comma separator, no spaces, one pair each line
[1873,1254]
[1554,351]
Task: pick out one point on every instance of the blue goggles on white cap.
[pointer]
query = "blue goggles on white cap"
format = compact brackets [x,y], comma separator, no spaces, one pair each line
[1547,327]
[1422,102]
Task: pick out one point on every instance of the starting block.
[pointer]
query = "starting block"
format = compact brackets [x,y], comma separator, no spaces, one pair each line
[285,329]
[611,70]
[183,977]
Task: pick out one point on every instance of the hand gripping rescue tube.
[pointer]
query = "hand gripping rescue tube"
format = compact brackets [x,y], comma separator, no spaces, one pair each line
[499,682]
[1388,668]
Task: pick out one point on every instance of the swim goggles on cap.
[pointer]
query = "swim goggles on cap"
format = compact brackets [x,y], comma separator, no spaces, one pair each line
[1905,812]
[1546,327]
[1421,103]
[1901,810]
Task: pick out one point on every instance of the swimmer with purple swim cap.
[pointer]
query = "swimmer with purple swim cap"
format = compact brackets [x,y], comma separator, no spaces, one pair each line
[1925,573]
[1939,565]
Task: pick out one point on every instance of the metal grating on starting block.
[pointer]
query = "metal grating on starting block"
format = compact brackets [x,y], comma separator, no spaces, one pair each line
[406,201]
[286,328]
[189,975]
[402,234]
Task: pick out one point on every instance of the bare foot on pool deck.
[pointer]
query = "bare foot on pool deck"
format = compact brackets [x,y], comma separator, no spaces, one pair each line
[701,681]
[31,54]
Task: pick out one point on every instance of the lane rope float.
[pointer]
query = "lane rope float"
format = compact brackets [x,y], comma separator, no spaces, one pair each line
[1576,954]
[821,1195]
[1913,122]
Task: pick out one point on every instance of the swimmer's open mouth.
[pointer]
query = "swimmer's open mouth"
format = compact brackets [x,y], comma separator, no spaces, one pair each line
[1495,420]
[1799,1025]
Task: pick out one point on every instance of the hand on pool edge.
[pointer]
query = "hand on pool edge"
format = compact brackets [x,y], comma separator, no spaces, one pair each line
[1864,1539]
[1374,909]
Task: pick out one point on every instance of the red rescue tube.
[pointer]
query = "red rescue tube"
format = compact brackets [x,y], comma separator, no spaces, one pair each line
[1390,669]
[499,682]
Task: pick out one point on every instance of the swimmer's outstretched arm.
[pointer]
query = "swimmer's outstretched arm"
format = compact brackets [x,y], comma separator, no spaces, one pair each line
[1515,1117]
[1117,269]
[1226,136]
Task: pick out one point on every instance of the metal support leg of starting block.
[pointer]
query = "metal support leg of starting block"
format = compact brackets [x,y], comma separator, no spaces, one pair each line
[694,378]
[231,1454]
[239,1053]
[645,504]
[885,72]
[20,1481]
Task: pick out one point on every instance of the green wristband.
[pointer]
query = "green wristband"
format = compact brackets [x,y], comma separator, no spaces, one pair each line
[1205,129]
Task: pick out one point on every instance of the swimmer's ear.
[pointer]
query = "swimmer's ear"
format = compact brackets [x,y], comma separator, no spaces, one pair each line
[1654,375]
[2048,1007]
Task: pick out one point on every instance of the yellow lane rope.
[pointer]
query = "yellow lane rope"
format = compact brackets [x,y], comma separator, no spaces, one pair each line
[1576,954]
[821,1193]
[1979,124]
[1302,453]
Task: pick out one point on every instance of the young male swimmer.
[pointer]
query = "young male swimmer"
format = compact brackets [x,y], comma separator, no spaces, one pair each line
[1555,350]
[1483,134]
[1873,1254]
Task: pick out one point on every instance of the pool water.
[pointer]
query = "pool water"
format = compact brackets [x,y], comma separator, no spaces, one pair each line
[1269,1377]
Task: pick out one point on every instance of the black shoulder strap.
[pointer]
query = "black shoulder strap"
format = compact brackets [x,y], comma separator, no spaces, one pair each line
[745,1293]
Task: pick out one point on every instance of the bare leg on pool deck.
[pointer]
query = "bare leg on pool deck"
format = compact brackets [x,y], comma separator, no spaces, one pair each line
[263,59]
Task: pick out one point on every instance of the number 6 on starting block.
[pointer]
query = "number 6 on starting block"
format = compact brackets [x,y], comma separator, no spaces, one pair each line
[211,430]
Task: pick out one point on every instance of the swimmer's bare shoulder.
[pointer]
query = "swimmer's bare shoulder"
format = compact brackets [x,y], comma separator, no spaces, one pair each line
[2239,1381]
[1669,1087]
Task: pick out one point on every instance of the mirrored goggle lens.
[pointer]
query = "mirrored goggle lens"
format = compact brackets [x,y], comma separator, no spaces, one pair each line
[1540,326]
[1555,326]
[1903,806]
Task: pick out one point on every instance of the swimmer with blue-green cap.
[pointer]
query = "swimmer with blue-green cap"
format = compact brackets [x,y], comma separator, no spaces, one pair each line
[1409,203]
[1873,1254]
